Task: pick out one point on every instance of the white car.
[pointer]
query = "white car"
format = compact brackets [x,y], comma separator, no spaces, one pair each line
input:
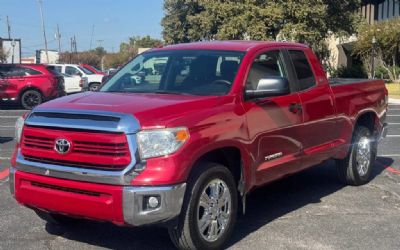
[73,84]
[93,80]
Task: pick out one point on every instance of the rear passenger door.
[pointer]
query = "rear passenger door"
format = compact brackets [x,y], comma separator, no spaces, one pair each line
[318,131]
[273,124]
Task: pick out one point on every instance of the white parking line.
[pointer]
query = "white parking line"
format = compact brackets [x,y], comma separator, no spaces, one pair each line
[7,126]
[389,155]
[393,115]
[10,116]
[4,158]
[394,123]
[393,136]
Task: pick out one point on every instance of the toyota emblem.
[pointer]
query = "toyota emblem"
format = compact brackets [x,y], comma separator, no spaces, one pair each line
[62,146]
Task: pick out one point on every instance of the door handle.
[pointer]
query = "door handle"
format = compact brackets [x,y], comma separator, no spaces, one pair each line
[295,108]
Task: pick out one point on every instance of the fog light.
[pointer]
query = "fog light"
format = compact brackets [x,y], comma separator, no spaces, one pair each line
[153,202]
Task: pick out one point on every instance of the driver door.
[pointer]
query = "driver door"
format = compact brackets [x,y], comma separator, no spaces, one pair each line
[273,122]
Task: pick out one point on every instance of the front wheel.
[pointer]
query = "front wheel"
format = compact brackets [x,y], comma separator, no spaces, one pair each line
[31,99]
[94,87]
[209,211]
[356,168]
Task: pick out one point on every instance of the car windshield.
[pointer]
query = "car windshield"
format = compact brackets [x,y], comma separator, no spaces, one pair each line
[86,71]
[200,72]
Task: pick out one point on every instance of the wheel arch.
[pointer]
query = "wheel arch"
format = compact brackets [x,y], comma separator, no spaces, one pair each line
[368,119]
[232,156]
[27,88]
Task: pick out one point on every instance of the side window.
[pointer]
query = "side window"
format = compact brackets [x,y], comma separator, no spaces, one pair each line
[303,69]
[58,69]
[71,71]
[265,65]
[31,72]
[5,70]
[16,72]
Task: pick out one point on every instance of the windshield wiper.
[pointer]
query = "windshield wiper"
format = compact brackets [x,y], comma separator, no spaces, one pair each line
[169,92]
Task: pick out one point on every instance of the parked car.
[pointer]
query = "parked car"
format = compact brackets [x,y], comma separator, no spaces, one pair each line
[93,69]
[93,80]
[73,84]
[184,148]
[29,84]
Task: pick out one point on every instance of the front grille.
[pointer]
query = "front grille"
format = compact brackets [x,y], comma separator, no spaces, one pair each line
[91,150]
[74,164]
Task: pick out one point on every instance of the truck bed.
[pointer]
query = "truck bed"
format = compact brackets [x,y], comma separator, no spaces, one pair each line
[346,81]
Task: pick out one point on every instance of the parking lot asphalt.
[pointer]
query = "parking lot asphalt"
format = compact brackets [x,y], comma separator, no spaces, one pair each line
[310,210]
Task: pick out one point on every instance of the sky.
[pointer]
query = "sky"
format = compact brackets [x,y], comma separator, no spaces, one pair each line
[114,22]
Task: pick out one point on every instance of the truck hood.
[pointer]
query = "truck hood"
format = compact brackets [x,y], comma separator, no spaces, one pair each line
[152,110]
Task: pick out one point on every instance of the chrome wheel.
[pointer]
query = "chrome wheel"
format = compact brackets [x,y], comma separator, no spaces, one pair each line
[214,210]
[94,87]
[363,155]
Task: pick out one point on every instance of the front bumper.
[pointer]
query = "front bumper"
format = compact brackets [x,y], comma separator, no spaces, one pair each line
[122,205]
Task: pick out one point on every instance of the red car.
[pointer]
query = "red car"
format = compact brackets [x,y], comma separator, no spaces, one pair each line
[92,69]
[29,84]
[184,147]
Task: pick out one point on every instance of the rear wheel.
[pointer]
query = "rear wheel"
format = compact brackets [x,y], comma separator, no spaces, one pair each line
[58,219]
[356,168]
[31,99]
[209,211]
[94,86]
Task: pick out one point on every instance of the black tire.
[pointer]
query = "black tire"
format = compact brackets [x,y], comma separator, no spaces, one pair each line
[31,98]
[94,87]
[347,168]
[187,234]
[57,219]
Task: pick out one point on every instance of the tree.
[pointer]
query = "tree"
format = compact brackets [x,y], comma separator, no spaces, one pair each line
[386,49]
[3,55]
[307,21]
[131,47]
[86,57]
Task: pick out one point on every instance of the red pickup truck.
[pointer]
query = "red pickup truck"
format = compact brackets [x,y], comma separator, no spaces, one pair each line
[185,146]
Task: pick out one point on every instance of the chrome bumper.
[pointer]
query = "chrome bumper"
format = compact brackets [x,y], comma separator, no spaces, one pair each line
[383,133]
[137,213]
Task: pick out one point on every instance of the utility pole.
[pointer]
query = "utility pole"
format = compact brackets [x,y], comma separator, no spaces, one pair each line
[8,28]
[99,42]
[91,38]
[58,37]
[75,49]
[40,2]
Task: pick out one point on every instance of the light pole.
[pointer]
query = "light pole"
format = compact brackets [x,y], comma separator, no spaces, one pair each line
[40,2]
[373,57]
[13,47]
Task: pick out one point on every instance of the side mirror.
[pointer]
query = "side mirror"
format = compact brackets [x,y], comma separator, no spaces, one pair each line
[271,86]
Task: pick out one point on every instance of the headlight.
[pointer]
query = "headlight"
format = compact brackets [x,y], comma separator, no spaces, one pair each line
[159,142]
[19,125]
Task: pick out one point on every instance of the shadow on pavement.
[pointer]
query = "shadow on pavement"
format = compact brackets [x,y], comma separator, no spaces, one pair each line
[264,205]
[5,139]
[10,107]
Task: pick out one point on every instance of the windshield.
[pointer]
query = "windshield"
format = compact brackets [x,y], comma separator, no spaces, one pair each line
[86,71]
[201,72]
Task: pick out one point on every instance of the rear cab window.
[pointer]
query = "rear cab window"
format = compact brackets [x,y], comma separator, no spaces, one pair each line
[303,70]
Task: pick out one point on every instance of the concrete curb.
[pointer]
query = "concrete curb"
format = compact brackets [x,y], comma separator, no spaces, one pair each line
[394,101]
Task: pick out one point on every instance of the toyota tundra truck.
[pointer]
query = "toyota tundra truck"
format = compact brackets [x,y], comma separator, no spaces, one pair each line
[184,147]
